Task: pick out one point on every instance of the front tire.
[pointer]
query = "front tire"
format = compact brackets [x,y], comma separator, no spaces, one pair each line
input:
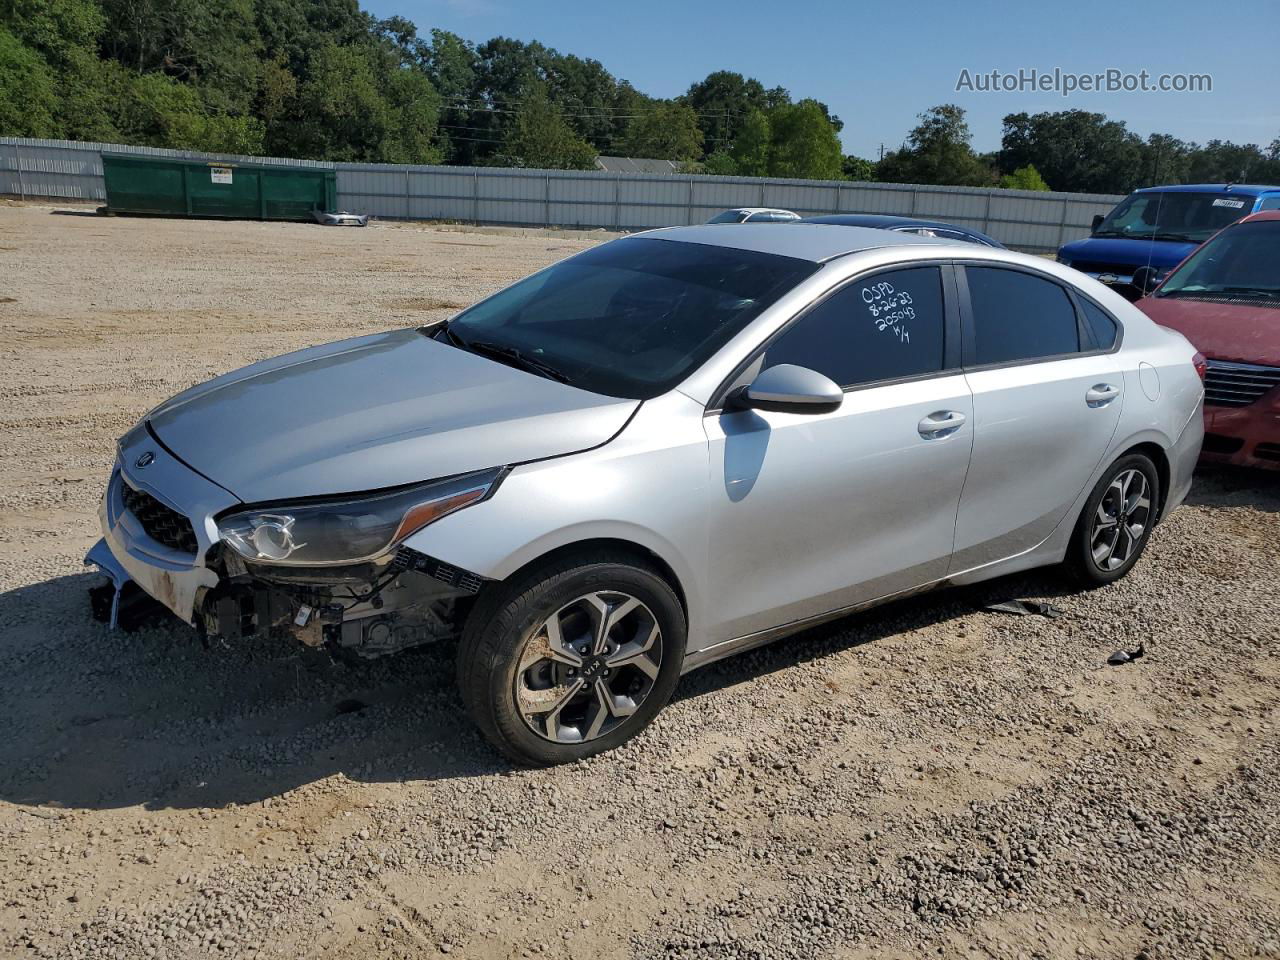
[572,658]
[1116,522]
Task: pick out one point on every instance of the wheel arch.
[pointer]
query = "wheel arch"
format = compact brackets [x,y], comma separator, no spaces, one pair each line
[1164,470]
[613,545]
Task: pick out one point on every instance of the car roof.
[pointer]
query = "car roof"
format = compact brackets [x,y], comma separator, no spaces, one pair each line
[884,220]
[1246,189]
[816,242]
[1256,217]
[880,220]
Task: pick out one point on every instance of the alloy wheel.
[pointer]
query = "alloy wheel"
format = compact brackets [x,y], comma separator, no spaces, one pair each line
[1121,520]
[588,667]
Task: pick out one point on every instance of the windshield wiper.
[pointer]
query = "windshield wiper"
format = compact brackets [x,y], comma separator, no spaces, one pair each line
[1110,233]
[1181,237]
[456,340]
[1266,293]
[511,356]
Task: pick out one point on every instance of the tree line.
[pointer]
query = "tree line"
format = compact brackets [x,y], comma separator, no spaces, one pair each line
[322,79]
[1071,150]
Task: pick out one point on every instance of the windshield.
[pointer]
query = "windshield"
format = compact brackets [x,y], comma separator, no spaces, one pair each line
[1173,215]
[729,216]
[631,318]
[1241,262]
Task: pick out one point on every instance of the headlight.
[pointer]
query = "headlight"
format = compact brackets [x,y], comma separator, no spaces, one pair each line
[349,530]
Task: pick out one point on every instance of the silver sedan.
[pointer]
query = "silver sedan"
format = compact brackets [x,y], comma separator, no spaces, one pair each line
[655,454]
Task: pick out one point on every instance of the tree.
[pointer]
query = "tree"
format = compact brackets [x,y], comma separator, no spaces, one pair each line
[667,131]
[1024,178]
[587,93]
[358,103]
[750,151]
[937,151]
[1221,161]
[28,97]
[213,44]
[803,142]
[856,168]
[157,110]
[719,164]
[722,103]
[1166,159]
[1074,150]
[541,136]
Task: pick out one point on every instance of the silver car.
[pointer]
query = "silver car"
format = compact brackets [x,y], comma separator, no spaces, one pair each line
[660,452]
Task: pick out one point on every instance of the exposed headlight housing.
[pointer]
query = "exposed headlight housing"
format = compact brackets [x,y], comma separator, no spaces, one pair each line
[351,529]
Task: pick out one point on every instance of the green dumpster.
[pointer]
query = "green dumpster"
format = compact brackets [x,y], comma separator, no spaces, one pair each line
[208,188]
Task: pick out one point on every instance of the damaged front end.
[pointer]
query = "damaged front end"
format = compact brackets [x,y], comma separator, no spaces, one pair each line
[370,609]
[329,571]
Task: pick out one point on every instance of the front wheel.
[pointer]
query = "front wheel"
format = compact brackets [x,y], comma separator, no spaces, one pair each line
[1116,523]
[571,659]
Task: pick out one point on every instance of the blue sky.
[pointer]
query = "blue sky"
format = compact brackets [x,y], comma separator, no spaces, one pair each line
[878,65]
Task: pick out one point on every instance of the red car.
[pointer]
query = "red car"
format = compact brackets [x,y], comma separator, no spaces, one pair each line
[1225,299]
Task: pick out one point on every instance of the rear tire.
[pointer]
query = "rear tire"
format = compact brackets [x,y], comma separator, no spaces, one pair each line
[571,658]
[1116,523]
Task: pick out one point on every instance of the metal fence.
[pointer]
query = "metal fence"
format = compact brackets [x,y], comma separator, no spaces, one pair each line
[1025,220]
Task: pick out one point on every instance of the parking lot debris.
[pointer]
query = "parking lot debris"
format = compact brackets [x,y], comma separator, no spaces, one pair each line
[1023,607]
[340,218]
[1126,656]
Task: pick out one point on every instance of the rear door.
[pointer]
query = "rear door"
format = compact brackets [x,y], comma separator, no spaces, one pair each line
[1047,397]
[817,512]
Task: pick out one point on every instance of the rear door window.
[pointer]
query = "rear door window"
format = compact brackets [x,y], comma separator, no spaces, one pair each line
[886,327]
[1018,316]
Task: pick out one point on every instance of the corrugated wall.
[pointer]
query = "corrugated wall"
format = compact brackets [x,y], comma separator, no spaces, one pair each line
[1024,220]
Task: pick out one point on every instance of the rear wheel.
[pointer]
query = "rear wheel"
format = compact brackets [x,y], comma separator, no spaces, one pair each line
[571,659]
[1117,520]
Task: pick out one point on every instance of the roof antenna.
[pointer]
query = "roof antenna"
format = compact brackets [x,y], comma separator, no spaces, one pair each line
[1151,250]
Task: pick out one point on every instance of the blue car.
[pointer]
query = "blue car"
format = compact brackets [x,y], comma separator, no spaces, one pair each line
[1158,227]
[924,228]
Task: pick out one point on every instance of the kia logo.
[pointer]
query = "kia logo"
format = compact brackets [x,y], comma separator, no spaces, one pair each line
[146,460]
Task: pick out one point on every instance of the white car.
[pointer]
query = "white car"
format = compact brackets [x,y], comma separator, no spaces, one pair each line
[755,215]
[657,453]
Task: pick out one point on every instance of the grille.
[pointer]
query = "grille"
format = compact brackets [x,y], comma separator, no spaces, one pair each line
[1092,266]
[1237,384]
[1267,451]
[407,558]
[1217,443]
[161,524]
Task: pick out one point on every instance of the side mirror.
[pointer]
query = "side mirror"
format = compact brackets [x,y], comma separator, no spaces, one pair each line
[1145,280]
[1097,222]
[787,388]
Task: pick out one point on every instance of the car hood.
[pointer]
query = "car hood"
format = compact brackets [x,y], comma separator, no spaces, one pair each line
[1161,254]
[377,411]
[1240,332]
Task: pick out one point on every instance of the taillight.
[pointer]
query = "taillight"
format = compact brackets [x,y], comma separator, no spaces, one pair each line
[1200,363]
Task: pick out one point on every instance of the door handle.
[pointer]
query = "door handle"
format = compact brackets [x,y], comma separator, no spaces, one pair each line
[942,423]
[1100,394]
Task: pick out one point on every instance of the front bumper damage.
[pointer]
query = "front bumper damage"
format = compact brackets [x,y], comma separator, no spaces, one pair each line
[401,600]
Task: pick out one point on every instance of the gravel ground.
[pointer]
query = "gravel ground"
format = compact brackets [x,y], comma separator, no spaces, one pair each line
[923,779]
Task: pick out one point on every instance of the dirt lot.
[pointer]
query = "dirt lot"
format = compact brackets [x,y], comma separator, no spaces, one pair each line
[925,779]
